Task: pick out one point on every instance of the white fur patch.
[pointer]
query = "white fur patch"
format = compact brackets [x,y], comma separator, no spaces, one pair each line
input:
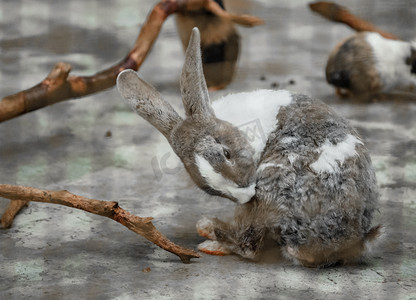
[332,155]
[390,57]
[292,157]
[213,246]
[288,140]
[257,107]
[226,186]
[205,227]
[264,166]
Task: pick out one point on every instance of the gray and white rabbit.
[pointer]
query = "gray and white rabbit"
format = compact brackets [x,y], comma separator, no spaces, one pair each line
[309,184]
[215,153]
[368,63]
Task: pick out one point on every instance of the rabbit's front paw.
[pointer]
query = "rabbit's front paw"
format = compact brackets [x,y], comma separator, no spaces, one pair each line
[214,248]
[206,228]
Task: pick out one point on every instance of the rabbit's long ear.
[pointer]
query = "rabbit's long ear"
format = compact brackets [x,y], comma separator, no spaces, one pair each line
[147,102]
[193,86]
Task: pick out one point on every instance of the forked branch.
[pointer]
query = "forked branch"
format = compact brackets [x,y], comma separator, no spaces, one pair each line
[338,13]
[11,211]
[109,209]
[59,86]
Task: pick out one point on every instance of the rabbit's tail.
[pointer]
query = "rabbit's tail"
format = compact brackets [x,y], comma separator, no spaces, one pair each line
[317,255]
[372,238]
[362,248]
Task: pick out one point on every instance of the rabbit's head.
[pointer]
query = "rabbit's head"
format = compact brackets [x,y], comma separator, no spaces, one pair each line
[351,66]
[216,154]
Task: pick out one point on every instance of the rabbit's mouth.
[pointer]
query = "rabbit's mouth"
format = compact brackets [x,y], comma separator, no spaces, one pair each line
[215,183]
[243,195]
[239,195]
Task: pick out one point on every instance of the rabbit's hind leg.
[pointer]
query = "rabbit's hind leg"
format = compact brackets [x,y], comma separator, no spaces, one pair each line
[215,248]
[216,231]
[244,240]
[243,236]
[206,227]
[250,240]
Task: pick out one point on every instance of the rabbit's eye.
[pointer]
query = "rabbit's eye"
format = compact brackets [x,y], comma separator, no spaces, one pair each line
[227,154]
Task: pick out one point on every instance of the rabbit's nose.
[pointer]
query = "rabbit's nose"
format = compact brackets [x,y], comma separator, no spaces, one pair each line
[413,70]
[339,79]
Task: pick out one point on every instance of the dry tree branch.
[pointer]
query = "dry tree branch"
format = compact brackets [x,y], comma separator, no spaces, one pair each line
[109,209]
[59,86]
[11,211]
[338,13]
[244,20]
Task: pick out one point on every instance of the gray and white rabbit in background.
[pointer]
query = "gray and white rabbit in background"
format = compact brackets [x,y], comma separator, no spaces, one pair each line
[309,185]
[368,63]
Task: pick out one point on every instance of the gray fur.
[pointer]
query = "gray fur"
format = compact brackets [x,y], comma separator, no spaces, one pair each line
[295,205]
[201,133]
[316,205]
[150,105]
[193,81]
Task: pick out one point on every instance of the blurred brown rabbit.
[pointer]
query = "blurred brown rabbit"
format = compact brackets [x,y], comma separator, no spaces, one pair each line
[220,41]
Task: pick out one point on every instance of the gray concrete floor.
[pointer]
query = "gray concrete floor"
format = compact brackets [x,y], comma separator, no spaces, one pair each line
[54,252]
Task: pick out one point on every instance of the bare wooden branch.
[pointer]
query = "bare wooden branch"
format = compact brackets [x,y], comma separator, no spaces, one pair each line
[59,86]
[109,209]
[338,13]
[11,211]
[244,20]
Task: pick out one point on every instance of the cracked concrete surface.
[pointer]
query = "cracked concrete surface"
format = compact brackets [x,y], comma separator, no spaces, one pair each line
[54,252]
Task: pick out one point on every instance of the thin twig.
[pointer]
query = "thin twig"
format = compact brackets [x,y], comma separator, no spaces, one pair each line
[11,211]
[109,209]
[244,20]
[338,13]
